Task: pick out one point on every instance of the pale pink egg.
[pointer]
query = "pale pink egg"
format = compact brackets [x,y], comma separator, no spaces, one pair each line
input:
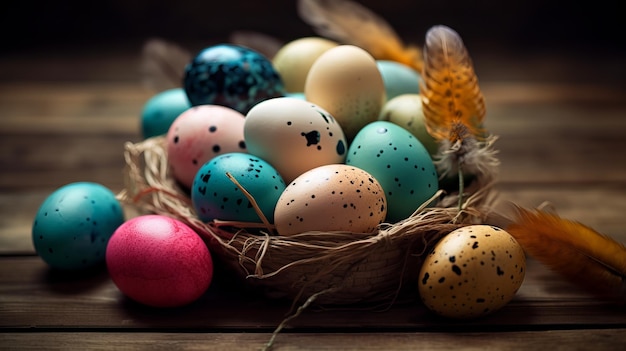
[159,261]
[199,134]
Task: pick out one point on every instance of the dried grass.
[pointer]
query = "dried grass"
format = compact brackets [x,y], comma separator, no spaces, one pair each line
[337,268]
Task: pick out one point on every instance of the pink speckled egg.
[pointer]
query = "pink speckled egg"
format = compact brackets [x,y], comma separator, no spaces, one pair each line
[199,134]
[159,261]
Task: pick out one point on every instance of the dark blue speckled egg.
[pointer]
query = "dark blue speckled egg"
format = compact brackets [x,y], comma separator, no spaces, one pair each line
[73,225]
[232,76]
[215,196]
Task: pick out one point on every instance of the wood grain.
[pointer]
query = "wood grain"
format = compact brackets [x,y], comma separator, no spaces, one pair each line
[561,129]
[605,339]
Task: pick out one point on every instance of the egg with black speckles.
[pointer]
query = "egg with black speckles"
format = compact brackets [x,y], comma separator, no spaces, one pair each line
[472,272]
[215,195]
[74,224]
[294,136]
[401,164]
[231,75]
[334,197]
[198,135]
[406,111]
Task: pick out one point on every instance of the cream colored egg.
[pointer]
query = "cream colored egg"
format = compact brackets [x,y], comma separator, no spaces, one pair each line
[406,111]
[293,135]
[346,81]
[471,272]
[334,197]
[294,59]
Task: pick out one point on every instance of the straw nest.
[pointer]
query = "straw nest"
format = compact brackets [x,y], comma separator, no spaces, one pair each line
[337,268]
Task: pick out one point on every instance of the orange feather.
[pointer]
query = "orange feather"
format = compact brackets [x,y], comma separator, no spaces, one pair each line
[452,102]
[587,258]
[348,22]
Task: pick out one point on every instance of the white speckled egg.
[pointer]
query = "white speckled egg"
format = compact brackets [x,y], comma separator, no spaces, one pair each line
[334,197]
[294,136]
[471,272]
[345,81]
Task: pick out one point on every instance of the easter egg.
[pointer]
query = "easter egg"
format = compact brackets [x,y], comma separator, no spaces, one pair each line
[160,111]
[159,261]
[346,82]
[334,197]
[406,111]
[472,272]
[73,225]
[399,162]
[294,136]
[199,134]
[215,195]
[231,75]
[398,78]
[294,59]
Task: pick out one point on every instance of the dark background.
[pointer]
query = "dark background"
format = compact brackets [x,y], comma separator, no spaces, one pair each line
[526,25]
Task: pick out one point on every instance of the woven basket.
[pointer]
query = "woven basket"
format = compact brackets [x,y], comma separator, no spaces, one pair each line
[336,268]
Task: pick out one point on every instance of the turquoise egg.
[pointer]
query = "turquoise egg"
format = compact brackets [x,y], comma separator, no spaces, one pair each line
[215,196]
[398,78]
[160,111]
[73,225]
[399,162]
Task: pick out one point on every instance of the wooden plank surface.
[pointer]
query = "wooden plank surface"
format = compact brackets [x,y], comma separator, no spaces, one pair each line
[560,142]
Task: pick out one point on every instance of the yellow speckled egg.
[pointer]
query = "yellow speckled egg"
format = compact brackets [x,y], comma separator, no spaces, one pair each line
[346,81]
[294,59]
[334,197]
[471,272]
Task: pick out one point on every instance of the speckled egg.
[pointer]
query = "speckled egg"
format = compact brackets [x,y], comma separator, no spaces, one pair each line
[406,111]
[346,82]
[159,261]
[231,75]
[333,197]
[401,164]
[73,225]
[398,78]
[294,135]
[215,196]
[471,272]
[199,134]
[161,110]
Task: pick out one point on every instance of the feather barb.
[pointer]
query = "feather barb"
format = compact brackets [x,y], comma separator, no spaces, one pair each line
[349,22]
[452,101]
[587,258]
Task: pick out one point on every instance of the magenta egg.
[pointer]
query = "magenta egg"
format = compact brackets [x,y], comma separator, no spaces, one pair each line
[199,134]
[159,261]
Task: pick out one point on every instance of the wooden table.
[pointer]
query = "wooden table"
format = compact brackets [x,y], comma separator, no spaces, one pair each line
[65,117]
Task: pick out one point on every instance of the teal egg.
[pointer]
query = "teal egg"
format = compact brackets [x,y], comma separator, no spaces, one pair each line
[399,162]
[406,111]
[74,223]
[215,196]
[297,95]
[398,78]
[160,111]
